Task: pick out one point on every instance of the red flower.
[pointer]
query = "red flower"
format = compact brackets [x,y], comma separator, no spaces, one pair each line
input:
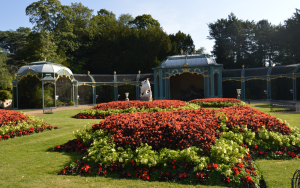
[215,165]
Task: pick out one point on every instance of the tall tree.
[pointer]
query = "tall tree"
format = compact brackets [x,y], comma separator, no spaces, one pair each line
[145,21]
[233,41]
[5,76]
[125,19]
[181,41]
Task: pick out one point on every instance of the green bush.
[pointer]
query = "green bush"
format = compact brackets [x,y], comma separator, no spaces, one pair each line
[4,94]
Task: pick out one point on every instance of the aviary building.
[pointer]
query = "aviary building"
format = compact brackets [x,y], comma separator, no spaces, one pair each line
[181,77]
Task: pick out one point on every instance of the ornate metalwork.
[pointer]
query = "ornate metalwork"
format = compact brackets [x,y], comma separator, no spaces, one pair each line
[49,82]
[186,70]
[243,79]
[185,64]
[64,75]
[296,179]
[28,74]
[268,78]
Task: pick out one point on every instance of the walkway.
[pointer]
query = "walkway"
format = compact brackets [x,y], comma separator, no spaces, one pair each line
[40,111]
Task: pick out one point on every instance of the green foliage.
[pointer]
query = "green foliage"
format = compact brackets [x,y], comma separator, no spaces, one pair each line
[5,76]
[4,94]
[134,109]
[145,21]
[182,41]
[255,44]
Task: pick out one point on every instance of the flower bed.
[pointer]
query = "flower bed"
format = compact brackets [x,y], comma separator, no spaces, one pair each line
[217,102]
[17,124]
[139,104]
[173,129]
[155,106]
[11,117]
[185,145]
[254,119]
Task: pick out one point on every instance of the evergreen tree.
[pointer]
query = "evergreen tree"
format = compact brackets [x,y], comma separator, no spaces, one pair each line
[5,76]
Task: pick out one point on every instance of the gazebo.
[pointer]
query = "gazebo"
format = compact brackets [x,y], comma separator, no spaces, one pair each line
[187,77]
[42,83]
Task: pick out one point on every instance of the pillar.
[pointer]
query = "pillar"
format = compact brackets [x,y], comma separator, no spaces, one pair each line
[155,85]
[116,91]
[160,84]
[294,88]
[212,88]
[137,90]
[268,88]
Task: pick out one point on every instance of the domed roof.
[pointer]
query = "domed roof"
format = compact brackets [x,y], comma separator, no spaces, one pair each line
[44,67]
[188,60]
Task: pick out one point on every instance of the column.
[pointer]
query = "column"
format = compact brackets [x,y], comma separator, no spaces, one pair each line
[160,84]
[294,88]
[155,85]
[73,94]
[116,91]
[268,88]
[94,94]
[243,89]
[212,88]
[43,93]
[137,91]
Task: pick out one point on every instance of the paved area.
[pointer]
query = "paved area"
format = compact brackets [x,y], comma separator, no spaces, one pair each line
[40,111]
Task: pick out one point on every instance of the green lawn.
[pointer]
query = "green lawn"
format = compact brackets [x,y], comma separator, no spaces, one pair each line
[25,162]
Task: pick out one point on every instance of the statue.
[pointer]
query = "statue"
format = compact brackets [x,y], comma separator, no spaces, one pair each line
[145,93]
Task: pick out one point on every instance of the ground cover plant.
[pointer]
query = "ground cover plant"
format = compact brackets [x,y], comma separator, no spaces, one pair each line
[27,161]
[191,146]
[217,102]
[103,110]
[14,123]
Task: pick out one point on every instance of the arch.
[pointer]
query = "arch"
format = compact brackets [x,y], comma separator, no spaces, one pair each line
[29,92]
[64,91]
[186,86]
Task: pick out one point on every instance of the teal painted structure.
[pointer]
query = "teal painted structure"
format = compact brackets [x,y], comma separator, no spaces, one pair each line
[213,75]
[200,64]
[264,73]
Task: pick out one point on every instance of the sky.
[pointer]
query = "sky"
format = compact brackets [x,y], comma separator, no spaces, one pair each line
[189,16]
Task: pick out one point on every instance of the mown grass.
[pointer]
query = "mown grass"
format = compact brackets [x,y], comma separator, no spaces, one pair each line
[26,162]
[278,173]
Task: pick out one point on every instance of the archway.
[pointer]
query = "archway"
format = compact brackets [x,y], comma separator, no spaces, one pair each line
[186,87]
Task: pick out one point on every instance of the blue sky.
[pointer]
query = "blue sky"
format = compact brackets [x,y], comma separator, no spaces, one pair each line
[189,16]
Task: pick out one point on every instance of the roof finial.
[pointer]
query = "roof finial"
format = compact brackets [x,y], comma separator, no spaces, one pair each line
[181,51]
[139,72]
[45,58]
[88,72]
[243,66]
[115,72]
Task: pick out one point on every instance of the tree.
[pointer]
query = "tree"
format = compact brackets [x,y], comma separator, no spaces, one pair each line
[182,41]
[5,76]
[201,50]
[12,41]
[125,19]
[145,21]
[105,12]
[233,41]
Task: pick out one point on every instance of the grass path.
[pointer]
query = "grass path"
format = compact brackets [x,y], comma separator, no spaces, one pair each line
[25,162]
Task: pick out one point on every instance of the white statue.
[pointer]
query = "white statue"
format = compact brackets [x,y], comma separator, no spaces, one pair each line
[145,91]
